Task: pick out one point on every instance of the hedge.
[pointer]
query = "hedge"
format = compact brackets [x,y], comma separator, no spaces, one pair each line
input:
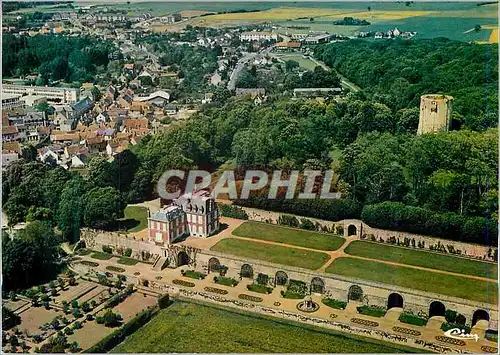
[119,335]
[399,217]
[412,319]
[232,211]
[328,209]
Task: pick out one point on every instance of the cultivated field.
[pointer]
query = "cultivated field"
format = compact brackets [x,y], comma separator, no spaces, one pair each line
[422,258]
[273,253]
[194,328]
[292,236]
[429,281]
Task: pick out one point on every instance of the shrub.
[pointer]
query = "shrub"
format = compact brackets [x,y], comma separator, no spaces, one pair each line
[107,249]
[194,274]
[127,252]
[288,220]
[89,263]
[333,303]
[232,211]
[164,301]
[183,283]
[109,319]
[259,288]
[371,311]
[227,281]
[215,290]
[412,319]
[262,279]
[307,224]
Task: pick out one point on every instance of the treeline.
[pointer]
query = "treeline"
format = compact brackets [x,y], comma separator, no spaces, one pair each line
[447,225]
[70,59]
[397,73]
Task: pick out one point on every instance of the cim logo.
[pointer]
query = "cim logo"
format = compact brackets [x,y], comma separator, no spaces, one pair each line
[457,333]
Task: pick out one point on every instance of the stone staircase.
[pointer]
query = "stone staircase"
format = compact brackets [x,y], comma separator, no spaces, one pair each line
[159,263]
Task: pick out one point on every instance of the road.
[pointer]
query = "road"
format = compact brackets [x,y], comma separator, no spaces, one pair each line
[231,85]
[343,80]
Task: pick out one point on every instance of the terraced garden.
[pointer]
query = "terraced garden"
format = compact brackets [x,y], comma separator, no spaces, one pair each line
[456,286]
[422,258]
[195,328]
[273,253]
[291,236]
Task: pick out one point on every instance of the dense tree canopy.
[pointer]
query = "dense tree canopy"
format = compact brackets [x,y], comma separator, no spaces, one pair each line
[71,59]
[398,72]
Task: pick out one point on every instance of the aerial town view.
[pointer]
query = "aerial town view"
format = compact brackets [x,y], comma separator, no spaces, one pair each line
[249,177]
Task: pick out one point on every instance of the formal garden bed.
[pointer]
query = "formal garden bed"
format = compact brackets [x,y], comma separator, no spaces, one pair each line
[101,256]
[450,340]
[412,319]
[250,298]
[127,261]
[492,335]
[371,311]
[295,290]
[193,274]
[489,349]
[333,303]
[260,288]
[89,263]
[215,290]
[83,251]
[407,331]
[114,268]
[226,281]
[368,323]
[183,283]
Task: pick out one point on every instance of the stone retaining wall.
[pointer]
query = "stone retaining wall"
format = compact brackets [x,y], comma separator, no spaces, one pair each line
[469,250]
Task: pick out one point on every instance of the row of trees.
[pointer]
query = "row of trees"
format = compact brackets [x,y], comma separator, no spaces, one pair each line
[397,73]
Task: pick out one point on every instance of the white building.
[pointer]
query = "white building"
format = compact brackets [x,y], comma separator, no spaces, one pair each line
[62,95]
[11,101]
[258,36]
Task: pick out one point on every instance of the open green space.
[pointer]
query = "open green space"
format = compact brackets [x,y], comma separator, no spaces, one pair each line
[301,238]
[305,63]
[135,219]
[195,328]
[273,253]
[422,258]
[456,286]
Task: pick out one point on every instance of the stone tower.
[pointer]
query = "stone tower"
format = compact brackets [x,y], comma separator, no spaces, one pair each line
[435,114]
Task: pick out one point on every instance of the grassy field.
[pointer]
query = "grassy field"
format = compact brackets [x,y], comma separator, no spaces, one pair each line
[422,258]
[195,328]
[135,220]
[304,63]
[429,281]
[301,238]
[273,253]
[101,256]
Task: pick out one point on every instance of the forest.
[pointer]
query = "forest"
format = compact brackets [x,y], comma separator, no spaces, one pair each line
[397,73]
[55,58]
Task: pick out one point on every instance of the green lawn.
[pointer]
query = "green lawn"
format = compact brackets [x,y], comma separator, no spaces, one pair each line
[195,328]
[135,219]
[305,63]
[292,236]
[273,253]
[429,281]
[422,258]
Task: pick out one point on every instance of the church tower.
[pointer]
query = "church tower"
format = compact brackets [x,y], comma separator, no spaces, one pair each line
[435,114]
